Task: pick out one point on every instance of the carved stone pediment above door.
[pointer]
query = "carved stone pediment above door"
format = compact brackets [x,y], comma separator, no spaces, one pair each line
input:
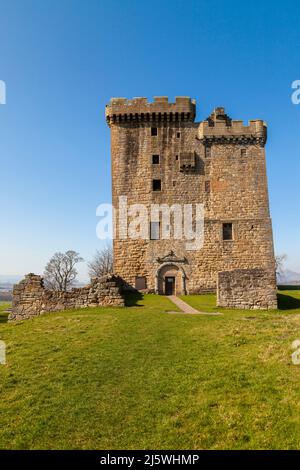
[171,258]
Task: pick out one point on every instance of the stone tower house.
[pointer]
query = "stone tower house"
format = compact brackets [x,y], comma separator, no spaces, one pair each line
[161,156]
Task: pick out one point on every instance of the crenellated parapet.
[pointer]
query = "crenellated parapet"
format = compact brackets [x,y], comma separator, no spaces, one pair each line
[219,128]
[122,110]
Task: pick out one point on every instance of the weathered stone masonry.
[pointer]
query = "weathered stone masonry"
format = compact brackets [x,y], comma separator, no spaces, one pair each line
[247,289]
[30,298]
[218,162]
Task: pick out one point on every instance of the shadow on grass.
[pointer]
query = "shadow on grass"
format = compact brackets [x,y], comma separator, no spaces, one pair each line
[3,317]
[5,308]
[287,302]
[132,299]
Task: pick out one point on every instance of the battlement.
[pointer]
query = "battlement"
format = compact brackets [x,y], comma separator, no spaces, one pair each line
[220,128]
[122,110]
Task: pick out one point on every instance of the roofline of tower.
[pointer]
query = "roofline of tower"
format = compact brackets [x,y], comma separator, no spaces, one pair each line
[140,109]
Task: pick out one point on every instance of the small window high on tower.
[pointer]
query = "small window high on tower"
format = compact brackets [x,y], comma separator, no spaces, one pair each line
[207,152]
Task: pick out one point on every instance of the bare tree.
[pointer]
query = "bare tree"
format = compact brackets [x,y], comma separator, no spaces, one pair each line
[102,263]
[60,272]
[280,260]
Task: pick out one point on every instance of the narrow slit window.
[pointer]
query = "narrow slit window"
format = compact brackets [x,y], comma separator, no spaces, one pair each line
[178,135]
[207,152]
[227,231]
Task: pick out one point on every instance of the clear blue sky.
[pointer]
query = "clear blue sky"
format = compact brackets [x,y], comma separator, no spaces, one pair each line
[62,60]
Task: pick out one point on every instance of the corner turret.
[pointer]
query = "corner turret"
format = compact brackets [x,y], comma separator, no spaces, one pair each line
[220,128]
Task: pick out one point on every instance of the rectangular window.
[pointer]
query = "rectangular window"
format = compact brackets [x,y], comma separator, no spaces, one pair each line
[178,135]
[155,159]
[154,230]
[227,231]
[153,130]
[140,283]
[207,152]
[156,185]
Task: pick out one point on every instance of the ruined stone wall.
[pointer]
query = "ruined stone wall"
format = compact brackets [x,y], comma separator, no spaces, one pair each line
[218,162]
[247,289]
[30,298]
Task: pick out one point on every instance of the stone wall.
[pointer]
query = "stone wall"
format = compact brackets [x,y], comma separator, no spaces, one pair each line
[247,289]
[30,298]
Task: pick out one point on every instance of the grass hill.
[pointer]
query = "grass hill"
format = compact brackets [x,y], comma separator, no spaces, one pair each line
[139,377]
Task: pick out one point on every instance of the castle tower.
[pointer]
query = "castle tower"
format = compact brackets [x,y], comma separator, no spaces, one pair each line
[161,156]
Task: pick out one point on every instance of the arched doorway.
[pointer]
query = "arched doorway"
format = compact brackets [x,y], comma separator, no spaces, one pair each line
[170,279]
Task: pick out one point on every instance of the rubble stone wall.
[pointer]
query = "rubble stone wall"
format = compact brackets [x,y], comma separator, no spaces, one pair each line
[247,289]
[30,298]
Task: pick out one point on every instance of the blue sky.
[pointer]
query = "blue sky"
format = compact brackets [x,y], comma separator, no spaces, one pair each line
[62,60]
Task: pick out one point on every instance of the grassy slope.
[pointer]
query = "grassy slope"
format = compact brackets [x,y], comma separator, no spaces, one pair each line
[141,378]
[3,314]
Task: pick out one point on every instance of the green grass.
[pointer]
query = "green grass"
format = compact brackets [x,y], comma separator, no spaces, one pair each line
[138,377]
[3,314]
[204,303]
